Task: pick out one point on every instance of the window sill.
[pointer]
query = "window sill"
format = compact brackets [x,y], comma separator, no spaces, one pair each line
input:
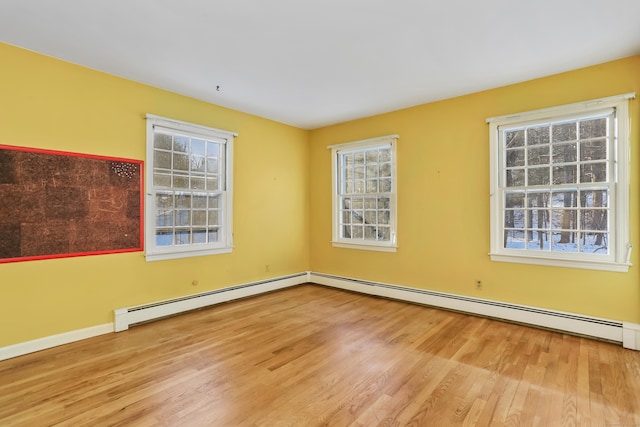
[618,267]
[160,256]
[364,246]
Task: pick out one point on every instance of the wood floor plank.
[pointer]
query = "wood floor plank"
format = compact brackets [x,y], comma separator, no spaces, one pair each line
[316,356]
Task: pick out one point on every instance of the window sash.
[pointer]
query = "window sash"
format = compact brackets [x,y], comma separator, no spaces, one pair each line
[364,201]
[609,167]
[188,190]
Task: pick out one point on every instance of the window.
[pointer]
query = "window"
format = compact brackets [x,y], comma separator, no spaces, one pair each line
[364,194]
[189,191]
[559,186]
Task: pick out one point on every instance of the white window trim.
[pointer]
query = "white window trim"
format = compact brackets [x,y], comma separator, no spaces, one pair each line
[620,260]
[154,253]
[372,245]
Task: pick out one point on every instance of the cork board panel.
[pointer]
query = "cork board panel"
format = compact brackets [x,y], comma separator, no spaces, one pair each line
[57,204]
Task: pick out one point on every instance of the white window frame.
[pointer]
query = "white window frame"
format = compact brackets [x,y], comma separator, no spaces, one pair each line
[390,142]
[620,248]
[224,244]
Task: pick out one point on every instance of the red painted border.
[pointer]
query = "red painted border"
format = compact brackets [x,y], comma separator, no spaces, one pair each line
[88,156]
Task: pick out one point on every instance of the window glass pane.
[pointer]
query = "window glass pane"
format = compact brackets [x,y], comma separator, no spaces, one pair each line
[538,176]
[162,141]
[199,218]
[183,218]
[372,171]
[594,198]
[564,219]
[385,169]
[199,236]
[213,184]
[370,232]
[198,147]
[565,153]
[370,217]
[181,144]
[565,241]
[564,174]
[515,178]
[564,132]
[182,237]
[180,162]
[514,200]
[372,156]
[514,138]
[593,219]
[538,155]
[385,185]
[372,186]
[515,158]
[214,217]
[164,237]
[593,150]
[197,164]
[213,149]
[212,166]
[538,135]
[213,235]
[357,232]
[593,128]
[593,172]
[161,160]
[595,243]
[161,180]
[197,183]
[538,240]
[199,201]
[385,155]
[514,239]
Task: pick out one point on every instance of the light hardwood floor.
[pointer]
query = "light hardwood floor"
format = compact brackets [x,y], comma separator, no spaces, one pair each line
[311,356]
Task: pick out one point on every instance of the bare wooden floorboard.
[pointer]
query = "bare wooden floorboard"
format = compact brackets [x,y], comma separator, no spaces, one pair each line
[315,356]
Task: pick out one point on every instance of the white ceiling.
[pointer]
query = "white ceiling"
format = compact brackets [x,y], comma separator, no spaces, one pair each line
[313,63]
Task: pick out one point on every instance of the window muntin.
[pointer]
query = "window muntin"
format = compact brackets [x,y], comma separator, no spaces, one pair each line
[364,194]
[559,183]
[189,190]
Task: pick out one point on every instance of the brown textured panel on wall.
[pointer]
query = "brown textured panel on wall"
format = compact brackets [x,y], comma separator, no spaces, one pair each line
[55,204]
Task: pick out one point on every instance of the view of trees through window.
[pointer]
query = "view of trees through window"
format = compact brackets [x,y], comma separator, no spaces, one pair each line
[557,186]
[365,192]
[188,176]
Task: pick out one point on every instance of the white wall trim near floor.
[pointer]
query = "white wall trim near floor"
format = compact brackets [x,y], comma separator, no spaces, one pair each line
[628,334]
[124,317]
[623,332]
[27,347]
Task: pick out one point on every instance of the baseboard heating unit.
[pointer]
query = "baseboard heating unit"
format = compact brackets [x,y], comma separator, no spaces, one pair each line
[125,317]
[628,334]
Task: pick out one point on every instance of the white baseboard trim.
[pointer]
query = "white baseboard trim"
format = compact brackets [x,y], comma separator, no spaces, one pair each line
[125,317]
[631,335]
[27,347]
[568,322]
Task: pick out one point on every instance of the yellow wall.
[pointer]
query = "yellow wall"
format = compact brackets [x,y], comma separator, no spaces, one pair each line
[443,199]
[282,206]
[47,103]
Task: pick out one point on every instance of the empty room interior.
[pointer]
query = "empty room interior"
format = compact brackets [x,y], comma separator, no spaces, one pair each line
[338,213]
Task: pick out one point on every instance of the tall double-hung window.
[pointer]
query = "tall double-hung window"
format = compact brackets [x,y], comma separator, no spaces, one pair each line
[189,190]
[364,194]
[559,186]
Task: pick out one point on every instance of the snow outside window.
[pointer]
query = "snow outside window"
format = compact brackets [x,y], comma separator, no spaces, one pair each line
[559,186]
